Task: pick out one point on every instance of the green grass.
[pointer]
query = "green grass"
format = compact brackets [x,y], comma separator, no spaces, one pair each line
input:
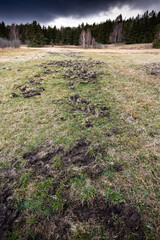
[133,100]
[39,200]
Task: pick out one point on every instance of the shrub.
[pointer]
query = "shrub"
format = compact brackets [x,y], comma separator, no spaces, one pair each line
[156,43]
[15,43]
[9,43]
[3,43]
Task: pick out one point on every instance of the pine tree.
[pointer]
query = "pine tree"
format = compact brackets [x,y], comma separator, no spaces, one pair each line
[4,30]
[35,35]
[141,29]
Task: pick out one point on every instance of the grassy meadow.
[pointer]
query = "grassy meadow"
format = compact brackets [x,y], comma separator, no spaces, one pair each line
[80,143]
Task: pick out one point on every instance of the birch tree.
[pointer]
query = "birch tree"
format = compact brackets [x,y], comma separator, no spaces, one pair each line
[82,39]
[88,37]
[14,32]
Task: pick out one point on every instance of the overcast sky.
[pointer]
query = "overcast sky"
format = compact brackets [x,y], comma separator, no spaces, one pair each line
[72,12]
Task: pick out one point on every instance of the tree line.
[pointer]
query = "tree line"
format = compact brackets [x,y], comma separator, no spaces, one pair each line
[140,29]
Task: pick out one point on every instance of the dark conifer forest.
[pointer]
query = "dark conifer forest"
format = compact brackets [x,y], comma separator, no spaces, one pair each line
[141,29]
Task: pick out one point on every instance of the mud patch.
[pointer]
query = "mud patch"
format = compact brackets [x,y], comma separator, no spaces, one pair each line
[47,71]
[43,154]
[36,82]
[76,70]
[29,92]
[37,76]
[78,155]
[77,98]
[115,166]
[85,105]
[14,95]
[107,215]
[32,92]
[116,221]
[95,171]
[23,88]
[88,124]
[39,161]
[8,215]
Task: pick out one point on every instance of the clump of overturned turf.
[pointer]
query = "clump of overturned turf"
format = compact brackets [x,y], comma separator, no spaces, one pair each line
[8,214]
[51,195]
[78,155]
[85,105]
[32,92]
[153,69]
[115,221]
[76,70]
[39,159]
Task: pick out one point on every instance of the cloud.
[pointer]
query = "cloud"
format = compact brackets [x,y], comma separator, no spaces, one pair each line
[47,10]
[112,13]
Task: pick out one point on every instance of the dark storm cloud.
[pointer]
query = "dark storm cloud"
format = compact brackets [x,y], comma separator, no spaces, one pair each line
[45,10]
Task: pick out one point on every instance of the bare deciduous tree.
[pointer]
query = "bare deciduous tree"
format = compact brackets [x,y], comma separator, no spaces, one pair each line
[82,39]
[85,38]
[14,32]
[117,34]
[88,37]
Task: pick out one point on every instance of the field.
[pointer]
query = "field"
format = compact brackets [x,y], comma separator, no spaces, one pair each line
[80,143]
